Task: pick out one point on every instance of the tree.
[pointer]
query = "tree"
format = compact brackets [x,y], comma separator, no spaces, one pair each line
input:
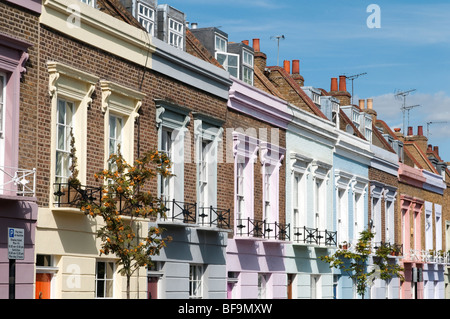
[355,263]
[126,200]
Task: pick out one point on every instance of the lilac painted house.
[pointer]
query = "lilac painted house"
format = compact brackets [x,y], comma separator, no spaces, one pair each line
[18,207]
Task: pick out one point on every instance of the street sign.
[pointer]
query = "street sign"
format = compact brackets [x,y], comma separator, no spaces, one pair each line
[16,243]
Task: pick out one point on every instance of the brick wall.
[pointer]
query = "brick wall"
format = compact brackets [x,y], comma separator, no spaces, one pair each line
[226,170]
[60,48]
[23,25]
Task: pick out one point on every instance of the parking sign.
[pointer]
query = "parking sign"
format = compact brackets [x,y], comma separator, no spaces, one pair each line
[16,243]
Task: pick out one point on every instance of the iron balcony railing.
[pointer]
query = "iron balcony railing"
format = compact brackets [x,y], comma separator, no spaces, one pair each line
[17,181]
[261,229]
[214,217]
[314,236]
[74,196]
[181,212]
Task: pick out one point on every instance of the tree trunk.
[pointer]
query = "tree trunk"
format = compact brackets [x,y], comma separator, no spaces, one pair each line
[128,286]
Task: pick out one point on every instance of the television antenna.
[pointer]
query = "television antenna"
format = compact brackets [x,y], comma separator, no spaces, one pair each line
[409,108]
[400,95]
[278,38]
[352,78]
[429,124]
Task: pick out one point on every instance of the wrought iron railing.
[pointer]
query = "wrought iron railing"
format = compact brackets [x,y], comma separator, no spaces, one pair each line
[261,229]
[214,217]
[74,195]
[17,181]
[181,212]
[277,231]
[314,236]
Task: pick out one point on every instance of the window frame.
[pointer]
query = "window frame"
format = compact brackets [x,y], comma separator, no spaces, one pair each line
[176,34]
[247,68]
[68,128]
[226,64]
[105,280]
[196,278]
[222,45]
[147,21]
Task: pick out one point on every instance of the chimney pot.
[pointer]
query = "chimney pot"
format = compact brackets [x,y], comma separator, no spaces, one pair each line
[370,104]
[246,42]
[287,66]
[334,85]
[256,45]
[436,150]
[410,131]
[362,104]
[342,83]
[296,67]
[397,129]
[420,131]
[430,148]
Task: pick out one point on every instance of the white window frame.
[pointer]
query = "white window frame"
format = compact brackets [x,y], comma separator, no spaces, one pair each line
[146,17]
[247,67]
[245,150]
[110,280]
[196,275]
[232,69]
[428,225]
[121,102]
[321,176]
[263,284]
[91,3]
[68,83]
[166,183]
[174,118]
[115,137]
[64,150]
[220,44]
[438,223]
[176,34]
[316,286]
[208,135]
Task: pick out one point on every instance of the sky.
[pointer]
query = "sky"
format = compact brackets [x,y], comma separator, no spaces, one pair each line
[402,45]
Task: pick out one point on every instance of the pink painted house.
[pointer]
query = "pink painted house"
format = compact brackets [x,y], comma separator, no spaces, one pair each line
[18,207]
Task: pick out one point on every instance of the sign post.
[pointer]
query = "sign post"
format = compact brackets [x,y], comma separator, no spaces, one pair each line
[16,251]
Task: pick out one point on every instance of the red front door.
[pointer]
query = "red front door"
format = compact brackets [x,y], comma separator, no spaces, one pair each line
[43,286]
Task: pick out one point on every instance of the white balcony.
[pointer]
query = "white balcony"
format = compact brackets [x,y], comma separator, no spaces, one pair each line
[17,182]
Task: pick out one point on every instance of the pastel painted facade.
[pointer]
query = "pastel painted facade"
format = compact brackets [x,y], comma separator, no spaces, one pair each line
[18,208]
[310,141]
[150,91]
[256,250]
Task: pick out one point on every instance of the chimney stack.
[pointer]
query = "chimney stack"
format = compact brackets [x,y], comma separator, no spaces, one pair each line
[260,57]
[420,140]
[340,93]
[436,150]
[296,73]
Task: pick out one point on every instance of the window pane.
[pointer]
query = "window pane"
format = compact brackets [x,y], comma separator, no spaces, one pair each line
[101,270]
[109,270]
[61,112]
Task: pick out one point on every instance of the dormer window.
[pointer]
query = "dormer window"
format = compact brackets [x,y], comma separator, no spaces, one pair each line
[230,62]
[146,17]
[176,31]
[356,118]
[316,98]
[335,113]
[247,67]
[89,2]
[221,44]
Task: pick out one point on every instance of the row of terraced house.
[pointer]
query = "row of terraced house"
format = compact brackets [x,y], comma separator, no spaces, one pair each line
[270,174]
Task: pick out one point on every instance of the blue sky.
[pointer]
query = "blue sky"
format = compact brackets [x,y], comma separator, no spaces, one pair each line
[410,50]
